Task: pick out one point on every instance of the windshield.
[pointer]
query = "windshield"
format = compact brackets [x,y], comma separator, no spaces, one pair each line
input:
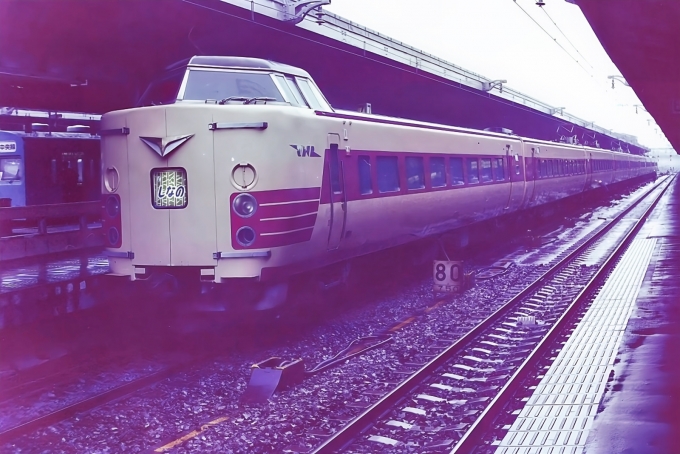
[202,85]
[162,91]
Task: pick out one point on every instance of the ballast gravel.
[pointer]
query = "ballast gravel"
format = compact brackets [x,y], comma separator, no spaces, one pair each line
[204,402]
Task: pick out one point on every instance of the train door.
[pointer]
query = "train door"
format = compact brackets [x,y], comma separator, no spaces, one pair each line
[336,188]
[195,173]
[589,171]
[516,175]
[531,174]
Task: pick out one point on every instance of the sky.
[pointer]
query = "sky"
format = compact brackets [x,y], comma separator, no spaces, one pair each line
[498,40]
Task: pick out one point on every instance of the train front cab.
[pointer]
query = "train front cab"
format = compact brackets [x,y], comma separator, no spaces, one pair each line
[215,190]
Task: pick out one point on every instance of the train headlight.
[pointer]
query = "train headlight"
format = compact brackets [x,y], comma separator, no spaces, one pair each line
[112,206]
[244,205]
[113,236]
[245,236]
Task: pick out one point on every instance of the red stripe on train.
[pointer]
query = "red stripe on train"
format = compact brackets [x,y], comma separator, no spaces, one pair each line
[292,209]
[288,209]
[284,225]
[286,195]
[284,239]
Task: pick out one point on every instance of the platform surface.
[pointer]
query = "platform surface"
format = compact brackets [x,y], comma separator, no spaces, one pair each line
[640,411]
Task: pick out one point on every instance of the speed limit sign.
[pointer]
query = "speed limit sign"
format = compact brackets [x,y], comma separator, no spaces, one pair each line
[448,276]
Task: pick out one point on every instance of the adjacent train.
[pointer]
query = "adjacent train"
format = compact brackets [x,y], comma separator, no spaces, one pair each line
[237,170]
[41,165]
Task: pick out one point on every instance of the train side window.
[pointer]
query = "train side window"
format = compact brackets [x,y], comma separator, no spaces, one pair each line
[388,173]
[81,169]
[487,173]
[365,181]
[456,171]
[10,169]
[437,172]
[415,173]
[334,165]
[53,171]
[295,91]
[291,97]
[499,169]
[550,168]
[518,170]
[310,94]
[473,170]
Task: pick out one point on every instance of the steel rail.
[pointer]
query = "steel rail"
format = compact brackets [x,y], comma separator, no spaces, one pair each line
[365,420]
[168,368]
[473,438]
[87,404]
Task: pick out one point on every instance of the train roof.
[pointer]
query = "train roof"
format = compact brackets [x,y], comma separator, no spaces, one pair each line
[246,63]
[490,132]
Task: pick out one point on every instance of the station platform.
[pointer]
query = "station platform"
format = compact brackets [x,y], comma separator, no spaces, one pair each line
[614,386]
[640,410]
[37,271]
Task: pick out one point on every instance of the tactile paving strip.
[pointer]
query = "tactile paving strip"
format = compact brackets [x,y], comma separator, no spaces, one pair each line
[557,417]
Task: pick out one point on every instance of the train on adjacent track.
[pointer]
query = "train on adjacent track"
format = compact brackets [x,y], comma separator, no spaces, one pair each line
[48,163]
[237,171]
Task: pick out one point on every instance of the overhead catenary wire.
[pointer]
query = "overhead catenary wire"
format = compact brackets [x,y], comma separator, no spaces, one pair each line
[565,37]
[553,38]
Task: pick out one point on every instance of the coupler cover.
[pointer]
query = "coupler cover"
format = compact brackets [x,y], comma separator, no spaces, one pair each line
[270,375]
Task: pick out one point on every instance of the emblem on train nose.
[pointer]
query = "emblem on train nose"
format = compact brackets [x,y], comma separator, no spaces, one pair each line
[165,145]
[305,150]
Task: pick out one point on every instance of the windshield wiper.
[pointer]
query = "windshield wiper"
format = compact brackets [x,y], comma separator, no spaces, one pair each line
[234,98]
[259,98]
[246,100]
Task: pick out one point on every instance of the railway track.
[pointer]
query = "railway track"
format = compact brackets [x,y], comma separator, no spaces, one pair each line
[453,401]
[472,381]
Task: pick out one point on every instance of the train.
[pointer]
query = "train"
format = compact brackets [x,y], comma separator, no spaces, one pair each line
[42,163]
[237,172]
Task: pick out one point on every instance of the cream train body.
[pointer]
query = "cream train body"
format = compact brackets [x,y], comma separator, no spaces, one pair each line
[322,186]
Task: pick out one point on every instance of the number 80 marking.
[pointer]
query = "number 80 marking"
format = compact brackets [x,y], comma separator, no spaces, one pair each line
[440,271]
[448,276]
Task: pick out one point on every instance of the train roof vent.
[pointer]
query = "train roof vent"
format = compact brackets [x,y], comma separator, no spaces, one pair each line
[39,127]
[499,130]
[78,128]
